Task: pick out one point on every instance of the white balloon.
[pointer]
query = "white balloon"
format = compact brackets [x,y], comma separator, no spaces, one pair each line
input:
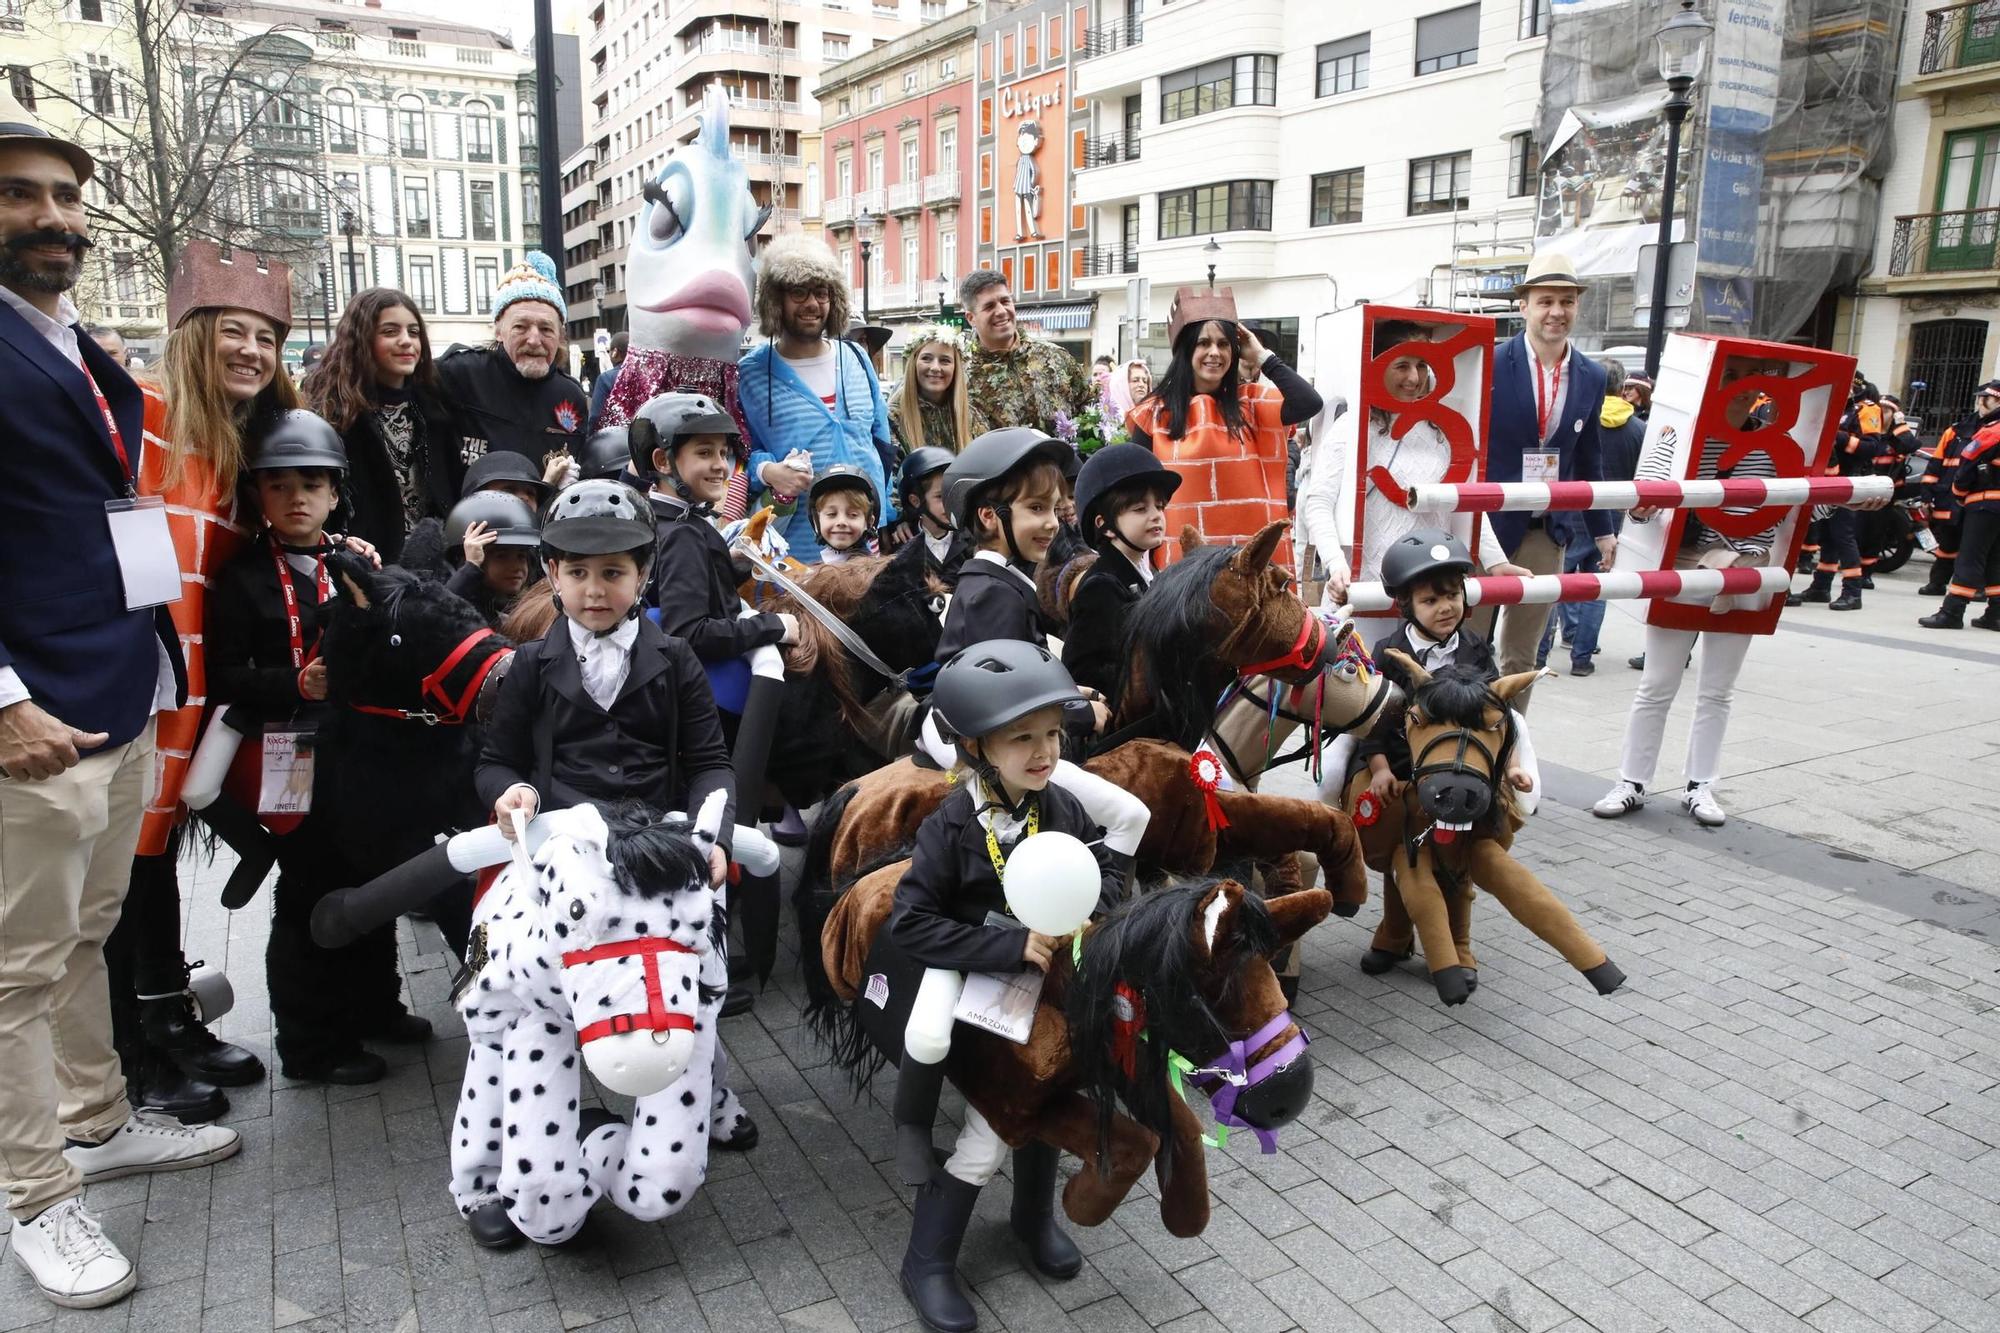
[1052,883]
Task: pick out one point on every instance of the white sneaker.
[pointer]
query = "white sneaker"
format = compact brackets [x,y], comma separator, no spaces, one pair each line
[71,1259]
[1699,801]
[153,1142]
[1621,800]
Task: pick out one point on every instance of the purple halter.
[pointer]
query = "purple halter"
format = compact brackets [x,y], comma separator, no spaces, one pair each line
[1231,1074]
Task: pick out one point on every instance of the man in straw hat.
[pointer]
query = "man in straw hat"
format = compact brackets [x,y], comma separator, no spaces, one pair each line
[87,655]
[1546,401]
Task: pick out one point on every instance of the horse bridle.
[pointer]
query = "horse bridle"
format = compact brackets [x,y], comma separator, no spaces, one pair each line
[452,710]
[658,1018]
[1274,707]
[1233,1073]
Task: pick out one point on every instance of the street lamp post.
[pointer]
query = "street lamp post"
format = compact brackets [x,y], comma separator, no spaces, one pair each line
[944,298]
[1214,252]
[1683,49]
[866,227]
[350,227]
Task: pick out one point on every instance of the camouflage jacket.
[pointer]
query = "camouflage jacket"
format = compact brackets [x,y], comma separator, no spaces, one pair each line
[1025,385]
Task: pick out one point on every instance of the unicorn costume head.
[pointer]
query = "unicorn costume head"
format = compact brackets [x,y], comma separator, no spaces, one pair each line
[689,274]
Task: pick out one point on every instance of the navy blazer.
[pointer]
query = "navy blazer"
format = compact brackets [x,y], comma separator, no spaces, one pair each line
[1511,432]
[63,624]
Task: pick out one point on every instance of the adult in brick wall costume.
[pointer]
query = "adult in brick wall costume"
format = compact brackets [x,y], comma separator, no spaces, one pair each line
[1227,438]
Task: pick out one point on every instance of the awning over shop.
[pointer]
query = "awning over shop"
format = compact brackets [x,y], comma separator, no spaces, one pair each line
[1075,316]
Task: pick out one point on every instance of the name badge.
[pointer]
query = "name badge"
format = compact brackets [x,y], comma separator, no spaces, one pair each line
[1541,465]
[147,565]
[286,781]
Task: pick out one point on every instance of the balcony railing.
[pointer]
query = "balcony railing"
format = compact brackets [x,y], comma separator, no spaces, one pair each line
[1106,261]
[1101,150]
[756,157]
[838,211]
[869,201]
[941,188]
[1962,241]
[1960,36]
[906,196]
[1109,37]
[293,138]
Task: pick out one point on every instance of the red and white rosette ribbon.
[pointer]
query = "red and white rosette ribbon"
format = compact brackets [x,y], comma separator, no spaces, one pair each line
[1206,770]
[1367,810]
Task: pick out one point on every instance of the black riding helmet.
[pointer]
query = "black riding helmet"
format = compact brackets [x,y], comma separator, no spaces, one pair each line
[986,462]
[988,685]
[1423,553]
[844,477]
[665,421]
[916,472]
[599,518]
[1119,467]
[604,455]
[296,438]
[504,467]
[513,521]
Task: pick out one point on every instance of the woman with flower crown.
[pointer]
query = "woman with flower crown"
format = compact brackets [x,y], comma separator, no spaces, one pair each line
[930,410]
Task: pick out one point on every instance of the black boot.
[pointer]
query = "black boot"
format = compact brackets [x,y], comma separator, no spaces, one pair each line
[1867,582]
[170,1025]
[918,1087]
[1033,1218]
[1942,568]
[159,1085]
[930,1264]
[1951,615]
[1820,590]
[1987,619]
[1850,596]
[1377,961]
[491,1228]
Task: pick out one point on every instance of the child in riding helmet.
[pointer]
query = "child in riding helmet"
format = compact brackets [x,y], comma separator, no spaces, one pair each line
[1425,571]
[1121,504]
[685,445]
[510,473]
[1004,703]
[920,498]
[496,536]
[266,616]
[606,707]
[845,512]
[607,455]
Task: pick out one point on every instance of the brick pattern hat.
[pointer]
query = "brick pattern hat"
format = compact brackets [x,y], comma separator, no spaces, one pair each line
[207,277]
[18,125]
[1196,305]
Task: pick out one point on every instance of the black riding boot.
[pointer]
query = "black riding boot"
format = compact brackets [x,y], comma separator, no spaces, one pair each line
[1850,595]
[1942,568]
[155,1083]
[918,1087]
[170,1025]
[930,1264]
[1034,1214]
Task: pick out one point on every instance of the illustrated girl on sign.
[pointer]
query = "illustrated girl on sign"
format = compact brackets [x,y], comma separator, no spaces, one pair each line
[1027,183]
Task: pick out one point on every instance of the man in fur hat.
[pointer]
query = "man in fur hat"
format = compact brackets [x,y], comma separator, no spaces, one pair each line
[515,394]
[809,396]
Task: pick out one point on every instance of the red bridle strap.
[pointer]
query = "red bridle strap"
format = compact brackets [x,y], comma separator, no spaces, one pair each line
[657,1018]
[452,711]
[1304,655]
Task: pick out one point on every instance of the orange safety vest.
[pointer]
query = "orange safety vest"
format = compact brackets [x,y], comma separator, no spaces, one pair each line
[207,535]
[1232,486]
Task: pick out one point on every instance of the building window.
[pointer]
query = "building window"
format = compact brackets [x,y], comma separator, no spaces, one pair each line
[478,134]
[1224,206]
[912,245]
[356,267]
[1448,40]
[90,11]
[1128,234]
[844,107]
[1237,81]
[930,11]
[1343,66]
[125,276]
[947,154]
[910,81]
[1523,165]
[948,67]
[912,168]
[875,94]
[485,278]
[21,80]
[875,167]
[1336,198]
[833,45]
[485,213]
[410,139]
[423,285]
[843,177]
[1440,184]
[417,208]
[947,244]
[1534,18]
[340,121]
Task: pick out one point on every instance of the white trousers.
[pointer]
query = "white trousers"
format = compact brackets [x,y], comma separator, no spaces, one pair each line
[977,1155]
[1715,690]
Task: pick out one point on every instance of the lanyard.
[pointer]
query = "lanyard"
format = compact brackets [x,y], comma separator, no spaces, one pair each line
[1543,407]
[292,623]
[111,425]
[993,843]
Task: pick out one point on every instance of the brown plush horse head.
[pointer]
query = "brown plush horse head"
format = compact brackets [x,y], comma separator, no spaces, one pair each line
[1461,733]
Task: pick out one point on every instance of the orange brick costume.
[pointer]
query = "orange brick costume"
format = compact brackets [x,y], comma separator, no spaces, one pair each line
[207,534]
[1233,485]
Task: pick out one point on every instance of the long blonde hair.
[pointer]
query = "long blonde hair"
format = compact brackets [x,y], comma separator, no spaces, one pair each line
[910,401]
[202,419]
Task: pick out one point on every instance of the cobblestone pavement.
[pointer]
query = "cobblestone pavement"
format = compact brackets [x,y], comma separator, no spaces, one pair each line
[1787,1120]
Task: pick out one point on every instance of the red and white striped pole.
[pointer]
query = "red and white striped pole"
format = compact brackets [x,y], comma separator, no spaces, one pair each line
[1485,497]
[1630,585]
